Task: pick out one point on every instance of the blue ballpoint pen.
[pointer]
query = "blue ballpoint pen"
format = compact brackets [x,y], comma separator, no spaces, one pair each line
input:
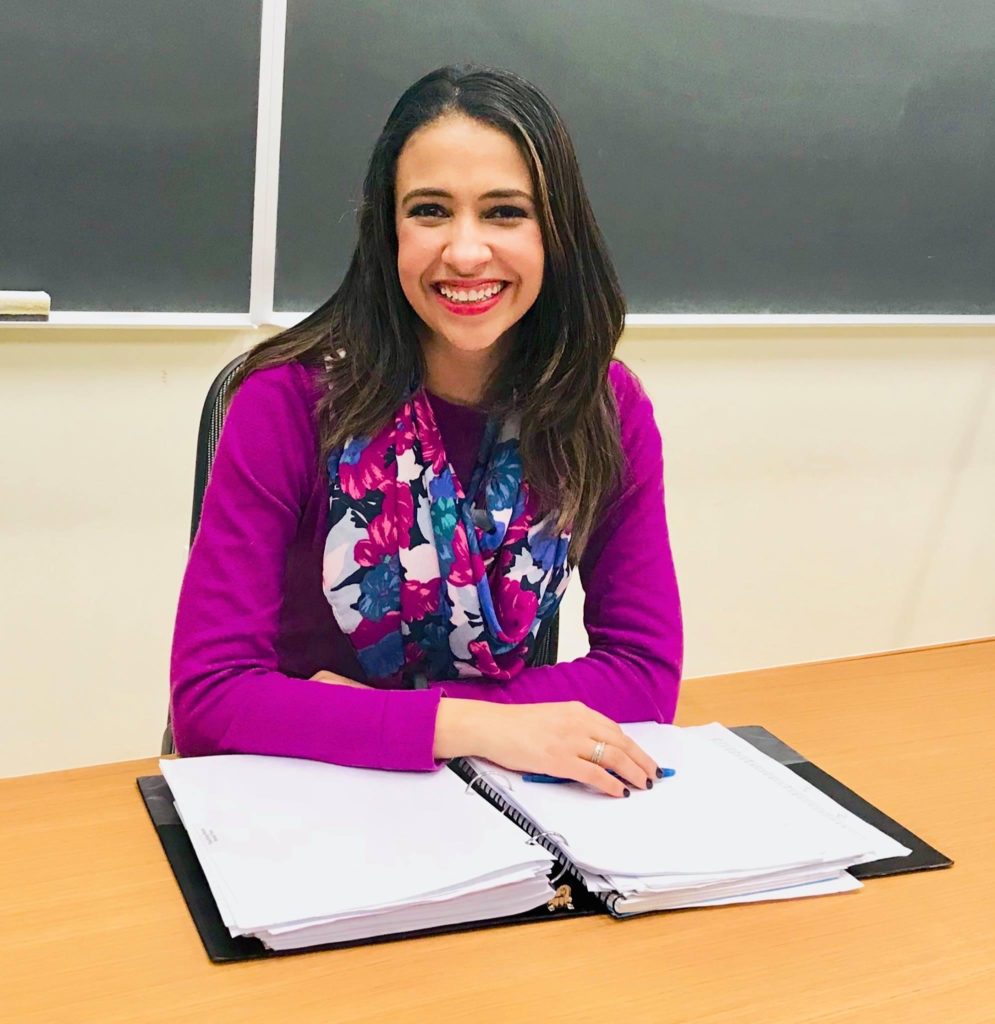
[666,773]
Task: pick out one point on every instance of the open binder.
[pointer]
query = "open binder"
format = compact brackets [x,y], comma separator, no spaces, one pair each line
[573,897]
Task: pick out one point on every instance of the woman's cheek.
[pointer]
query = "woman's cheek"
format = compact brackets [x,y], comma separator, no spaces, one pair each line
[412,260]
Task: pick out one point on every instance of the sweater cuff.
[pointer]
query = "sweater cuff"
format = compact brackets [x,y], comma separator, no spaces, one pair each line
[407,731]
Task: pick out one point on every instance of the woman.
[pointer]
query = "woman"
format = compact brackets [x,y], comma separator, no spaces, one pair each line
[406,478]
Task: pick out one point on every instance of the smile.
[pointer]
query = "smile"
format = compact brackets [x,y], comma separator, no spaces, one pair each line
[469,301]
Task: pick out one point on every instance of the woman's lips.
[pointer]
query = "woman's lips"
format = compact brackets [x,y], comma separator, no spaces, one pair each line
[469,308]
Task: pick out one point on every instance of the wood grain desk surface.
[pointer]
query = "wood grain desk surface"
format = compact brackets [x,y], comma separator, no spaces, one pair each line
[93,927]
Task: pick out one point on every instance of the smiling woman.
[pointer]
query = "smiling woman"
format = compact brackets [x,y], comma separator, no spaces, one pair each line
[407,478]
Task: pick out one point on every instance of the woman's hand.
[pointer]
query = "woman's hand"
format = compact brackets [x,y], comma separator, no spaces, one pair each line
[553,739]
[337,680]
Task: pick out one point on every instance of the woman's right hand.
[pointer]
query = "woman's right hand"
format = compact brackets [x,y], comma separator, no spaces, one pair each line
[552,739]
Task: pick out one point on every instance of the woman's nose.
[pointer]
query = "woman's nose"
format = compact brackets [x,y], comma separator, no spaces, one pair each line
[466,248]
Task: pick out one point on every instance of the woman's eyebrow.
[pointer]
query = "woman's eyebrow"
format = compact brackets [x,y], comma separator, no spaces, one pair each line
[494,193]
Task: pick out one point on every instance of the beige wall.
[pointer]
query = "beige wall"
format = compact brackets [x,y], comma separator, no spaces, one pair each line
[831,492]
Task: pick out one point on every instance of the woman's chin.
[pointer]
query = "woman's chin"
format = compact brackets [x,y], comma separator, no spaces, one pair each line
[469,343]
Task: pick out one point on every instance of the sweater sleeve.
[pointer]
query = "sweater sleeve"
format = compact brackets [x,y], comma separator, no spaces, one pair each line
[227,693]
[632,609]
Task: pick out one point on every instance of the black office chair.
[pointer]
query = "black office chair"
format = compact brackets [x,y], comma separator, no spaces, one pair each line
[212,417]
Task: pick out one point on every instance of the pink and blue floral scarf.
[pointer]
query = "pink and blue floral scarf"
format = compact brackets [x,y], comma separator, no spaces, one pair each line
[426,578]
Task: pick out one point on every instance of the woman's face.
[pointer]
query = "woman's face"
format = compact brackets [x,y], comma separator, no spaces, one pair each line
[469,249]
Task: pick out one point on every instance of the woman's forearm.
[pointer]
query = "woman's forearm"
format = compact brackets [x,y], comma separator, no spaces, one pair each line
[460,728]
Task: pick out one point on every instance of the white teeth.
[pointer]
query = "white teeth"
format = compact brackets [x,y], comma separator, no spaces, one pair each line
[473,295]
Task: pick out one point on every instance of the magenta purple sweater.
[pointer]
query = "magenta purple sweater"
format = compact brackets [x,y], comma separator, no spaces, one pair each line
[253,624]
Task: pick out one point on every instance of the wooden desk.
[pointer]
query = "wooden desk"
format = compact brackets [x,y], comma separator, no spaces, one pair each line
[94,928]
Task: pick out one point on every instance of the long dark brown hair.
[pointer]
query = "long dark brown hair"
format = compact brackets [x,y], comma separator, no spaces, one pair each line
[555,374]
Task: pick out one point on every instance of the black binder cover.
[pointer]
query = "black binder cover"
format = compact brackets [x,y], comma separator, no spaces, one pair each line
[222,947]
[923,856]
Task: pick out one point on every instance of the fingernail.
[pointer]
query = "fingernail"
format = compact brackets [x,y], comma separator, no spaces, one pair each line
[659,773]
[649,783]
[625,792]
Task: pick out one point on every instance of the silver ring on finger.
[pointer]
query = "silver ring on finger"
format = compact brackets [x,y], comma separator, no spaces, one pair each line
[599,752]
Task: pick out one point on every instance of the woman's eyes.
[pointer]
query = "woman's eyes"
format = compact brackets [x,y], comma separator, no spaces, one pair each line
[506,212]
[494,213]
[426,210]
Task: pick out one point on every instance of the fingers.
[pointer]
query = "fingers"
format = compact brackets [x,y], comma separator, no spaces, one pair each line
[622,754]
[559,739]
[598,778]
[611,732]
[645,764]
[618,761]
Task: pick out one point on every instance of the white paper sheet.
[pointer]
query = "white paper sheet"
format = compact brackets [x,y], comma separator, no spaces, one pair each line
[824,887]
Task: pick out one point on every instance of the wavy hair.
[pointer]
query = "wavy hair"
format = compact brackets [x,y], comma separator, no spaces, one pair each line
[363,340]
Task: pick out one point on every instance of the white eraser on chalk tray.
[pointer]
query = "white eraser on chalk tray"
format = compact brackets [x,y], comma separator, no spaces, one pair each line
[24,305]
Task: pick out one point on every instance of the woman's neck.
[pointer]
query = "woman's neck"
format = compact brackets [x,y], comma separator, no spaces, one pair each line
[458,375]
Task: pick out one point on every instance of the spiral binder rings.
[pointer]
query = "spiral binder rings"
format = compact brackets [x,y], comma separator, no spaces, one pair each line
[577,891]
[465,770]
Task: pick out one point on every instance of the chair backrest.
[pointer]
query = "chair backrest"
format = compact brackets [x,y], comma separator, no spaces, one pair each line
[212,417]
[547,643]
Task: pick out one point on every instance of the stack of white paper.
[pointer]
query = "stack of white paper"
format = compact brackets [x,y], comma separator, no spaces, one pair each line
[732,825]
[299,853]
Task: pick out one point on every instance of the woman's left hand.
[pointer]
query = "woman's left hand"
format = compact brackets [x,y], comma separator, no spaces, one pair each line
[336,680]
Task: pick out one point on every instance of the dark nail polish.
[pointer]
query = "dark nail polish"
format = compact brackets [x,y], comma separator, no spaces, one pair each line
[626,792]
[659,773]
[649,783]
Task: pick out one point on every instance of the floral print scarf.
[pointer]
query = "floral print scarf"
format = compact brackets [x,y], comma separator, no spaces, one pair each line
[427,578]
